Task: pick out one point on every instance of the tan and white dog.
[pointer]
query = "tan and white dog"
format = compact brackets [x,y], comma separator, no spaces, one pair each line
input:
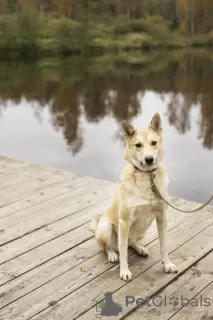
[135,206]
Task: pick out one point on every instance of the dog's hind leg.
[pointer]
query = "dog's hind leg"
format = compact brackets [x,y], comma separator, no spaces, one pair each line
[106,238]
[138,247]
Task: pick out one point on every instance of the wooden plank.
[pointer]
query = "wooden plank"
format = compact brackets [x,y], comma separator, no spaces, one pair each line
[35,257]
[201,312]
[24,172]
[12,181]
[51,191]
[34,184]
[51,269]
[154,279]
[5,161]
[172,299]
[10,168]
[37,196]
[28,282]
[58,228]
[71,222]
[52,210]
[44,253]
[95,289]
[47,270]
[30,168]
[74,193]
[62,286]
[36,175]
[51,231]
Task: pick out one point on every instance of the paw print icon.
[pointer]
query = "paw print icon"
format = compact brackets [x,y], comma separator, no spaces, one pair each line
[173,301]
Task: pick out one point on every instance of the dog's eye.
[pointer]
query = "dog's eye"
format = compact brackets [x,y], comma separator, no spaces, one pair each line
[153,143]
[138,145]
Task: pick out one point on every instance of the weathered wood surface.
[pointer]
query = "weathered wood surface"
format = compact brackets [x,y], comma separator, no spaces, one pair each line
[52,269]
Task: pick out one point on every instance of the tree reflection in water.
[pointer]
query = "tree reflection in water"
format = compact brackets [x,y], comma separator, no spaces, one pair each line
[94,89]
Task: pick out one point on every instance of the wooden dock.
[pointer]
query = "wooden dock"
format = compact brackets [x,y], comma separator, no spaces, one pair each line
[52,269]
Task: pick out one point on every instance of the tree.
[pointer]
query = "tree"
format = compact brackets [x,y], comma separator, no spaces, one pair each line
[190,10]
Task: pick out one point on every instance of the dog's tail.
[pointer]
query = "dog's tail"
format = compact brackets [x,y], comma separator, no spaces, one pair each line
[94,224]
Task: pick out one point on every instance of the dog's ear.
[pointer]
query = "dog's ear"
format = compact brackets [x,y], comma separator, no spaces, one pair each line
[156,124]
[128,130]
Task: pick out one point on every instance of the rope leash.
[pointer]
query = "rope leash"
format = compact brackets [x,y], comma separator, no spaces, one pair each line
[157,192]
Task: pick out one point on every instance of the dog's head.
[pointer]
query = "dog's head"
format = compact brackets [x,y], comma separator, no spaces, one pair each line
[144,148]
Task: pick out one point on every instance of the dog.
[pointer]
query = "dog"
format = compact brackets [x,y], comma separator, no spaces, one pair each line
[135,205]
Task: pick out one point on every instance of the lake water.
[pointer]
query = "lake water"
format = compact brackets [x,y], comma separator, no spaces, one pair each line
[69,116]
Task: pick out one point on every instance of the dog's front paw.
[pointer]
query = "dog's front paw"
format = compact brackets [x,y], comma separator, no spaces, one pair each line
[125,274]
[170,267]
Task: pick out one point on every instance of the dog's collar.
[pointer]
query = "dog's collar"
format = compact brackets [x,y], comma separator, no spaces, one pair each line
[148,171]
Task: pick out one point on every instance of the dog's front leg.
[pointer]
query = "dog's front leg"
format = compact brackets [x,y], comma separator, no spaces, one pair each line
[123,235]
[162,231]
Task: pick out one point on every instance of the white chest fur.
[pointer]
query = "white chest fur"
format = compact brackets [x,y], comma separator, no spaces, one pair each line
[140,199]
[136,201]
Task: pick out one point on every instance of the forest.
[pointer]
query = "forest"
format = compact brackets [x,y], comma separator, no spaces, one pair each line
[52,27]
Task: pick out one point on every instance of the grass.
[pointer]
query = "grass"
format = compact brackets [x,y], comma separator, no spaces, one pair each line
[27,35]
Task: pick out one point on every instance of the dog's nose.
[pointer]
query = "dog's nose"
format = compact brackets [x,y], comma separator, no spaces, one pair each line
[149,160]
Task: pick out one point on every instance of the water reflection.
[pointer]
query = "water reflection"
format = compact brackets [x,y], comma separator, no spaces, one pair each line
[98,91]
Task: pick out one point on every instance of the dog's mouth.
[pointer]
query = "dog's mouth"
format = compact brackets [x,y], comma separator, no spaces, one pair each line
[146,167]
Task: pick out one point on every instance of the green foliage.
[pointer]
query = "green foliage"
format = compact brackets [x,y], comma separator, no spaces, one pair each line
[48,45]
[147,25]
[62,27]
[49,63]
[126,26]
[8,26]
[155,19]
[202,40]
[18,33]
[67,32]
[28,24]
[104,26]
